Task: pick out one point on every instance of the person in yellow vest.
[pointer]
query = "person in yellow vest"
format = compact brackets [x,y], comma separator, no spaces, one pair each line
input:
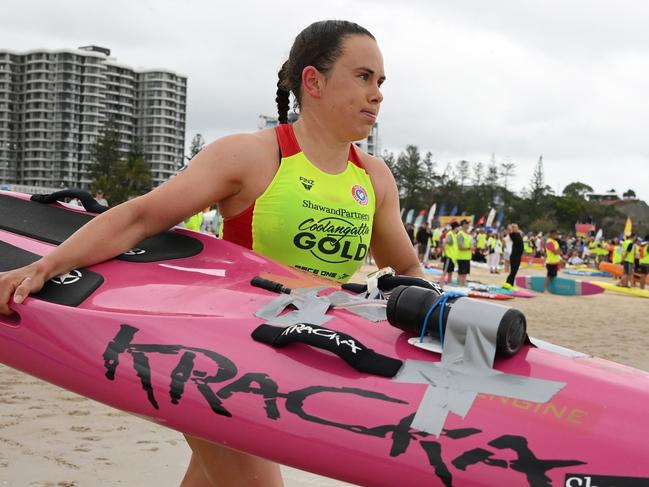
[450,253]
[435,242]
[552,257]
[464,244]
[643,261]
[590,249]
[616,251]
[527,247]
[274,199]
[194,222]
[628,260]
[601,251]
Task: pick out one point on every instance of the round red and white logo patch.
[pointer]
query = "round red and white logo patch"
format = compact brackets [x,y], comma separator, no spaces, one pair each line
[359,194]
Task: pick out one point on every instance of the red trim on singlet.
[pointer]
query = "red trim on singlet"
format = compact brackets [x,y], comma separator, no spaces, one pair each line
[289,146]
[353,157]
[287,142]
[238,228]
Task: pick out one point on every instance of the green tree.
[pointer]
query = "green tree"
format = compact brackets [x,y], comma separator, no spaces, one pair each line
[119,177]
[106,158]
[105,153]
[478,173]
[462,169]
[538,189]
[506,172]
[577,190]
[134,173]
[415,177]
[629,194]
[196,145]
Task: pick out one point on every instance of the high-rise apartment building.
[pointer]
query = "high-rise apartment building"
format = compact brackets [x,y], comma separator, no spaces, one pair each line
[54,103]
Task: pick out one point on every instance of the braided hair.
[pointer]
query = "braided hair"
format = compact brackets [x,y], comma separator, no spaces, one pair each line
[319,45]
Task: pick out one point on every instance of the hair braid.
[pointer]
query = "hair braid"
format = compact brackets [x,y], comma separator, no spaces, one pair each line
[282,98]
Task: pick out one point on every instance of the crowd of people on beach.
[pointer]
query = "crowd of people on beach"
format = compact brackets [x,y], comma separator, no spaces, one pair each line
[457,245]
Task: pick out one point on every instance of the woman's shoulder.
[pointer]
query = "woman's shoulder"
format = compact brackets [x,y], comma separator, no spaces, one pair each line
[254,143]
[376,168]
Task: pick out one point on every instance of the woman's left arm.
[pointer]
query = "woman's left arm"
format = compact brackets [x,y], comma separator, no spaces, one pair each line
[390,244]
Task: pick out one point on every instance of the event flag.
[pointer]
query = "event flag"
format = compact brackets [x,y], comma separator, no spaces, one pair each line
[420,218]
[431,214]
[501,216]
[628,227]
[490,217]
[410,216]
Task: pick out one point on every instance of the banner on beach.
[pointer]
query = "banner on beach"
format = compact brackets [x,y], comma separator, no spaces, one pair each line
[447,220]
[584,229]
[420,218]
[410,216]
[628,227]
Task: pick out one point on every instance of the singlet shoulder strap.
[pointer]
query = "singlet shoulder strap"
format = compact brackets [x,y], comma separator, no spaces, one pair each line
[288,145]
[354,157]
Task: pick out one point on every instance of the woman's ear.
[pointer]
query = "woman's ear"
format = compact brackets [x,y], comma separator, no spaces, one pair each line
[312,82]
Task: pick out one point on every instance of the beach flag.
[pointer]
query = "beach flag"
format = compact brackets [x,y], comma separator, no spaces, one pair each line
[431,214]
[628,227]
[490,217]
[480,220]
[442,209]
[499,220]
[420,218]
[410,216]
[454,211]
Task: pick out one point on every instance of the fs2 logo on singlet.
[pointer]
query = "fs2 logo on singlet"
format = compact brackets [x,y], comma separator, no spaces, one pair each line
[338,236]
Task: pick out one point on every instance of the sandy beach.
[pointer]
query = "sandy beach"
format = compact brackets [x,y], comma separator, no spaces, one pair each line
[53,438]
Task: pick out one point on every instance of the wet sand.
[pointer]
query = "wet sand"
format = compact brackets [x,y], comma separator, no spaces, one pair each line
[53,438]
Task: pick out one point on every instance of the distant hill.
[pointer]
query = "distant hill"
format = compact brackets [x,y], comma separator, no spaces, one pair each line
[638,210]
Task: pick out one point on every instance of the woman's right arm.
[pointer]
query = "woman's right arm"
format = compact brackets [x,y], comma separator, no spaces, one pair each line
[215,174]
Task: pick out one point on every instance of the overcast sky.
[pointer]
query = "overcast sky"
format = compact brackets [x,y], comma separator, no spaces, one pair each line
[465,78]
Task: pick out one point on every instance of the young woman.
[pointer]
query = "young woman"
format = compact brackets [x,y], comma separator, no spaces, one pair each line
[335,72]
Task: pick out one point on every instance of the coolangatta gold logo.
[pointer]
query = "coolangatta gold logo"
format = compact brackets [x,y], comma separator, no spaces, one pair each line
[333,239]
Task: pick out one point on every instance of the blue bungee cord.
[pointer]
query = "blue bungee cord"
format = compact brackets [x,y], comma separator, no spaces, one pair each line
[441,301]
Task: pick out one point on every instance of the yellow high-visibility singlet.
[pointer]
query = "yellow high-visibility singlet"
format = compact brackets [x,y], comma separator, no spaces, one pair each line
[617,254]
[481,242]
[194,222]
[552,257]
[630,256]
[307,218]
[450,249]
[464,253]
[643,250]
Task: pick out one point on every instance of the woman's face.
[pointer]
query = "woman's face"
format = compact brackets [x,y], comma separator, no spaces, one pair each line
[351,97]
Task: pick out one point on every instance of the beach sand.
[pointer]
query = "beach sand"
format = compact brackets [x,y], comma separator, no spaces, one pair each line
[53,438]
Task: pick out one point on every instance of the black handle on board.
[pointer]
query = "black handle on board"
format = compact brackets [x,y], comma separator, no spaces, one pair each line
[346,347]
[89,203]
